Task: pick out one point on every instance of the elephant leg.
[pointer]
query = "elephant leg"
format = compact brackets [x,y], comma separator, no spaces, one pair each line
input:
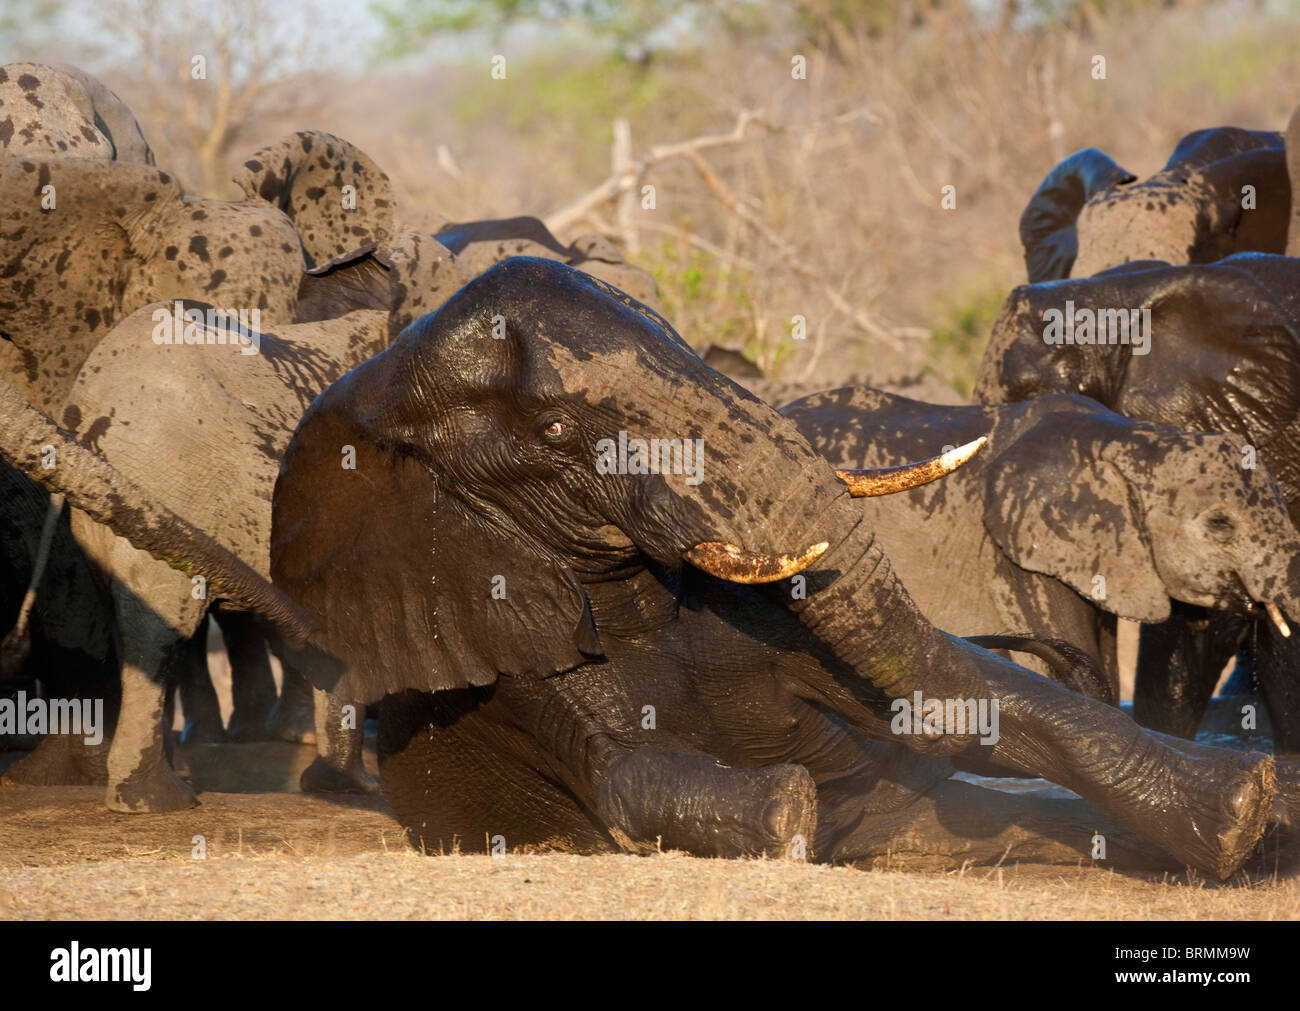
[652,790]
[1208,809]
[156,609]
[1277,671]
[954,823]
[252,685]
[340,736]
[198,696]
[293,718]
[61,760]
[1178,665]
[655,798]
[141,779]
[538,764]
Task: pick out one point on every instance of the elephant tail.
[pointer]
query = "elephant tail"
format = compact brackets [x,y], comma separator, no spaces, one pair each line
[1072,666]
[47,454]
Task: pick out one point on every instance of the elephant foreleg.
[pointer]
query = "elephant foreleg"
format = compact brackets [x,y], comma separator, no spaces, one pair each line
[340,736]
[293,718]
[198,696]
[252,685]
[1277,670]
[663,793]
[140,778]
[1178,665]
[955,823]
[651,798]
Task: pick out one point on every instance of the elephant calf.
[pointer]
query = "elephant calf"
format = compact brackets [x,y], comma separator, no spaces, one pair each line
[1071,515]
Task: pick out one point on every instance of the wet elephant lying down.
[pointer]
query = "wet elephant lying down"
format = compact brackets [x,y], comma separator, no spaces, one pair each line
[1070,517]
[577,646]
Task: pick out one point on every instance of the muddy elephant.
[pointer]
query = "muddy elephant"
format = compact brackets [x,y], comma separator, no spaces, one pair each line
[1219,351]
[203,436]
[1089,214]
[575,647]
[314,239]
[1070,517]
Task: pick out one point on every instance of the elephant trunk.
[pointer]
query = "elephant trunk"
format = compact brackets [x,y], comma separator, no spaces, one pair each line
[1277,593]
[47,454]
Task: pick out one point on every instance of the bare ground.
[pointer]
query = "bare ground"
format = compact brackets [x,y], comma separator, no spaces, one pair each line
[285,855]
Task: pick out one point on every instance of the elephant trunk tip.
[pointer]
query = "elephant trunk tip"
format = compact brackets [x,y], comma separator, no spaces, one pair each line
[887,480]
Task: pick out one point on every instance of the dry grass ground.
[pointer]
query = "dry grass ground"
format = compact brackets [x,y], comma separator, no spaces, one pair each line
[289,856]
[274,853]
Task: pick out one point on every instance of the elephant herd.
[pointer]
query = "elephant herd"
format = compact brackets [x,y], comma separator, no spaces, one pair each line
[604,597]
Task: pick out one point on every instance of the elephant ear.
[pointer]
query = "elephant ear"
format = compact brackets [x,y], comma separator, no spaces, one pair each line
[1263,229]
[1055,506]
[112,117]
[306,176]
[1047,223]
[414,279]
[423,275]
[411,587]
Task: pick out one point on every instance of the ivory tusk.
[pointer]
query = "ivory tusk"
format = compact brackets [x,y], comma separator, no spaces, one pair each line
[1275,613]
[735,564]
[887,480]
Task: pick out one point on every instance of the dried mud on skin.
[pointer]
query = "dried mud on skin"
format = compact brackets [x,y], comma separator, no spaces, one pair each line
[291,856]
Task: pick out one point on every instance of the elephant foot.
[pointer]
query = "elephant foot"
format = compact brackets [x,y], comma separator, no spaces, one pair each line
[154,791]
[1214,811]
[691,802]
[294,721]
[322,777]
[60,760]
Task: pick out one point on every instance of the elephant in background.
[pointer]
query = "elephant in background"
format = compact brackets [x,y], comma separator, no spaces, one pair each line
[110,205]
[59,626]
[63,112]
[523,714]
[1071,516]
[479,245]
[1090,214]
[1224,355]
[204,436]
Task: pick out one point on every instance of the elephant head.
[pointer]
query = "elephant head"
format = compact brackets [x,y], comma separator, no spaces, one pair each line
[1089,214]
[62,112]
[1220,350]
[1133,514]
[501,426]
[96,240]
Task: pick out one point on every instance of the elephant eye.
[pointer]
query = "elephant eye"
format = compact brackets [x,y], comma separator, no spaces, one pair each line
[556,429]
[1220,525]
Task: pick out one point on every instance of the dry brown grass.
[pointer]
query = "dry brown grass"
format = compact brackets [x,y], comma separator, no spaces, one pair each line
[287,856]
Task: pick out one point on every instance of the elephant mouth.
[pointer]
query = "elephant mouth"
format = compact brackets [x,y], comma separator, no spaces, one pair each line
[1240,599]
